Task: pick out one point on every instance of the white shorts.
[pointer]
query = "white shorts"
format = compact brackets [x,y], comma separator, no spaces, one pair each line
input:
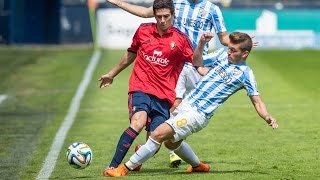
[185,121]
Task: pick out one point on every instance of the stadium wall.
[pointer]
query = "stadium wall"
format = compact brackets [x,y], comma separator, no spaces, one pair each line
[273,29]
[285,29]
[44,22]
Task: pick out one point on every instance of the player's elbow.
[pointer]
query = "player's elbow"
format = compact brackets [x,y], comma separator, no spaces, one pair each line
[224,38]
[147,13]
[224,41]
[202,70]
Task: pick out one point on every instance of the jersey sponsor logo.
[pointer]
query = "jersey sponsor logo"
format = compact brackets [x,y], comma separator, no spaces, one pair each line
[194,23]
[225,76]
[157,53]
[156,58]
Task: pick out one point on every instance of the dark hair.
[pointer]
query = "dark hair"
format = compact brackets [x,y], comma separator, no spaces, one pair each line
[160,4]
[243,39]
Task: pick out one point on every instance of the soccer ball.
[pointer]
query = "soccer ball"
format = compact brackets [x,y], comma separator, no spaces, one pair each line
[79,155]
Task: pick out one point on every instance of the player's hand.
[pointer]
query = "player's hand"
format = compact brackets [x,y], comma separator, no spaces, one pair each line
[272,122]
[255,43]
[206,36]
[106,80]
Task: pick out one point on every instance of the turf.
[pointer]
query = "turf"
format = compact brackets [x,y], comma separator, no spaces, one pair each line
[237,143]
[39,83]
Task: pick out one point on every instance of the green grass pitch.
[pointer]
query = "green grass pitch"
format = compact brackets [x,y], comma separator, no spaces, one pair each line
[40,83]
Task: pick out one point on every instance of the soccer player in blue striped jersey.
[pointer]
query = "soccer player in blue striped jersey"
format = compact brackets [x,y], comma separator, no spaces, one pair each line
[227,75]
[193,17]
[196,17]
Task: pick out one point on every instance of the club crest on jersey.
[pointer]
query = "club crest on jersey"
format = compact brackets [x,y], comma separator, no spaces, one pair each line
[172,45]
[236,72]
[148,41]
[203,12]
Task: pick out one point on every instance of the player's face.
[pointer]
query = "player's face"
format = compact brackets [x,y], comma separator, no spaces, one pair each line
[164,19]
[235,55]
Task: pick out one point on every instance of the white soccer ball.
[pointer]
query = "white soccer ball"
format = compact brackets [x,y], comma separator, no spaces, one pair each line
[79,155]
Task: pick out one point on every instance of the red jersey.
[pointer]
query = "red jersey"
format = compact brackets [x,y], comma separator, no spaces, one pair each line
[159,60]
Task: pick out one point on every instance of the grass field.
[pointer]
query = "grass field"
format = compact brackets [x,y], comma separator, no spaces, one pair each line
[40,84]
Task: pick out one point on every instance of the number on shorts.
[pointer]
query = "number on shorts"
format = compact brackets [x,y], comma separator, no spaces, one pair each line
[181,122]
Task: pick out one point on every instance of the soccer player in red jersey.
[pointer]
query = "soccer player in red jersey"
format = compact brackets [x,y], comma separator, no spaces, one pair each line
[159,51]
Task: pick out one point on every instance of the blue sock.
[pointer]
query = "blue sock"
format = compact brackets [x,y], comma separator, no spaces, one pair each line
[123,146]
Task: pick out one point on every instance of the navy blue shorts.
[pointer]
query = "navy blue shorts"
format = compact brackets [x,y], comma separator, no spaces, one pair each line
[158,110]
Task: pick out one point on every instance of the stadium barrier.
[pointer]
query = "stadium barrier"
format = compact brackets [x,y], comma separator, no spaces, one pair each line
[44,22]
[273,29]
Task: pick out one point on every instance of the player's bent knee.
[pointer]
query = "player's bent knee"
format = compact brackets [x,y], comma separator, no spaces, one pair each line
[157,136]
[138,121]
[162,133]
[172,146]
[137,125]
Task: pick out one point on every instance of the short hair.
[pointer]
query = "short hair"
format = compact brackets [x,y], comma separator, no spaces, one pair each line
[160,4]
[243,39]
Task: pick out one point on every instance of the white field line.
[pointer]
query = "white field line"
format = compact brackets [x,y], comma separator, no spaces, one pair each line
[58,141]
[2,98]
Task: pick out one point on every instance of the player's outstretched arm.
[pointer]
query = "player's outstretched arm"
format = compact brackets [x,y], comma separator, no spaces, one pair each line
[140,11]
[262,111]
[124,62]
[197,59]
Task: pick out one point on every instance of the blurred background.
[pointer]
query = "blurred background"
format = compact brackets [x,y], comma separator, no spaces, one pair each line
[288,24]
[46,46]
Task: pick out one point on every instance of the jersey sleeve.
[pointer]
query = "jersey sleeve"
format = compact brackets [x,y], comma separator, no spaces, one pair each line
[218,21]
[250,83]
[135,42]
[210,58]
[187,50]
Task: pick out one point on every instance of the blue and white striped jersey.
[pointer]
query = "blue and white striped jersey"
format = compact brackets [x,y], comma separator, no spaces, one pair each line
[189,76]
[222,80]
[194,18]
[211,57]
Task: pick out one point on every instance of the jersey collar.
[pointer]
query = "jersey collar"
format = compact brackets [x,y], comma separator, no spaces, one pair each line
[155,30]
[191,2]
